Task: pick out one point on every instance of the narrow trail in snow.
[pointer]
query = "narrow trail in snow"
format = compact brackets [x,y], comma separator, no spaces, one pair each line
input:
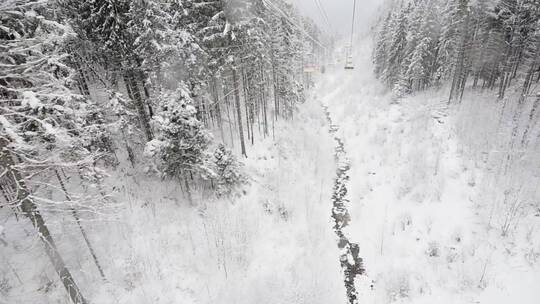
[351,263]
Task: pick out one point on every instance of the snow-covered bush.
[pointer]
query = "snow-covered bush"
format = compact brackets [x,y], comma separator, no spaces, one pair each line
[398,286]
[228,177]
[97,135]
[433,249]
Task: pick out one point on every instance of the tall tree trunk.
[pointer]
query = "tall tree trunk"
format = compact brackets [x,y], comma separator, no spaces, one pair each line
[246,99]
[252,120]
[459,77]
[264,103]
[525,93]
[227,103]
[217,109]
[81,228]
[276,85]
[30,210]
[142,79]
[132,87]
[530,121]
[238,111]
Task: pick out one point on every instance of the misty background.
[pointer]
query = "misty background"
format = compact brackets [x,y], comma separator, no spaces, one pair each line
[339,13]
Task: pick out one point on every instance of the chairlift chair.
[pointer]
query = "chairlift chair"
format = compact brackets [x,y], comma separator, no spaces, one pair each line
[349,63]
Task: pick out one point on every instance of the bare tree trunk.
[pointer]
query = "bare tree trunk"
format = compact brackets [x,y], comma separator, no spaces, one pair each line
[515,121]
[530,121]
[239,112]
[229,119]
[252,120]
[81,228]
[459,78]
[218,109]
[142,79]
[264,104]
[134,91]
[29,209]
[276,86]
[246,100]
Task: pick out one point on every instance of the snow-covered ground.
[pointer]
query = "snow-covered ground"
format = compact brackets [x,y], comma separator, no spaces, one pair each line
[415,197]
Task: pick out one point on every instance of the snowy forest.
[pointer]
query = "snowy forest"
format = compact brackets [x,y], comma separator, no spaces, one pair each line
[269,151]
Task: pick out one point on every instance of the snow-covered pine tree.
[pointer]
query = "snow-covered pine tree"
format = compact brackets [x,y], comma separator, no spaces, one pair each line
[418,68]
[415,20]
[420,44]
[397,46]
[380,52]
[447,42]
[181,141]
[286,57]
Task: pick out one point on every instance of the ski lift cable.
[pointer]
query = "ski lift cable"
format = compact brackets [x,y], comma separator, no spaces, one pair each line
[323,11]
[352,25]
[327,27]
[348,60]
[320,12]
[330,29]
[278,10]
[324,14]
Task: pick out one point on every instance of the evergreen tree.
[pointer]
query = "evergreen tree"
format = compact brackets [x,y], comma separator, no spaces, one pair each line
[447,42]
[396,48]
[418,68]
[181,141]
[380,52]
[432,42]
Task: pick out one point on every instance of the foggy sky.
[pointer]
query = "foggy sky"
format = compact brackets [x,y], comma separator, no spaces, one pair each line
[340,13]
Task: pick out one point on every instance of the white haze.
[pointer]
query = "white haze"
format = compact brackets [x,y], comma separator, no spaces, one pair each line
[340,14]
